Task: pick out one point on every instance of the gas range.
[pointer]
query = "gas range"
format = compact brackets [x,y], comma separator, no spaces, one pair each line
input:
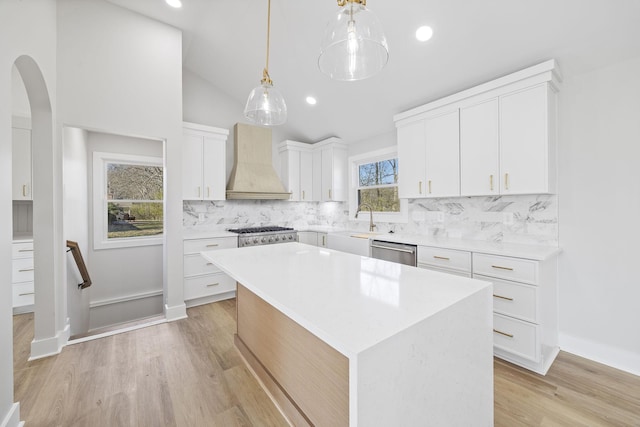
[256,236]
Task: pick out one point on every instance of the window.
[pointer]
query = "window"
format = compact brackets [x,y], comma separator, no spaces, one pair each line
[128,200]
[374,182]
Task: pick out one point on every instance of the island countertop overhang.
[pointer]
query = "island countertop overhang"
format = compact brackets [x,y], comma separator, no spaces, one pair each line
[350,302]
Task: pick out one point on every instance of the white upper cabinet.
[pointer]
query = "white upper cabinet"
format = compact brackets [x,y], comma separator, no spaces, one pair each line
[203,162]
[412,152]
[21,164]
[479,172]
[442,134]
[526,141]
[330,171]
[498,138]
[296,169]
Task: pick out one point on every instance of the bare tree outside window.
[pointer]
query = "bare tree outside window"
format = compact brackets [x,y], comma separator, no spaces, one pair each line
[378,185]
[134,194]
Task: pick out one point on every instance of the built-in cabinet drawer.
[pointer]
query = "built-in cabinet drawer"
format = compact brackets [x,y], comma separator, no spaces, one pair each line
[514,299]
[202,286]
[22,250]
[446,270]
[23,294]
[515,336]
[517,269]
[449,259]
[22,270]
[203,281]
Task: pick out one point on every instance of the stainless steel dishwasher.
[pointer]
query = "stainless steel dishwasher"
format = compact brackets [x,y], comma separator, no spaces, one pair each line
[394,252]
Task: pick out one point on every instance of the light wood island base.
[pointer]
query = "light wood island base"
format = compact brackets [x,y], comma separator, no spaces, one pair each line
[307,379]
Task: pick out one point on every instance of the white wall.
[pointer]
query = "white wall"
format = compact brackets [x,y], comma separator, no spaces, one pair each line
[26,28]
[121,73]
[119,274]
[76,223]
[599,186]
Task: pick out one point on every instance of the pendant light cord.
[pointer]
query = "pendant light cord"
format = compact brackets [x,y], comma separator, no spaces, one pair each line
[265,74]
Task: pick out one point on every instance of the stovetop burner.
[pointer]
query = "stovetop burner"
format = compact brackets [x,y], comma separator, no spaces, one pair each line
[267,229]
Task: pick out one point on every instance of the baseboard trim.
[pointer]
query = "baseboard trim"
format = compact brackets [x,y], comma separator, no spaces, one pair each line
[12,418]
[50,346]
[175,312]
[607,355]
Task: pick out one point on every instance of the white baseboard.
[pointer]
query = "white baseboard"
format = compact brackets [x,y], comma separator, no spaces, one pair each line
[50,346]
[175,312]
[607,355]
[12,418]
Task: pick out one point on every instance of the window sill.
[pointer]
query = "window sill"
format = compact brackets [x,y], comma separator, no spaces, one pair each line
[128,243]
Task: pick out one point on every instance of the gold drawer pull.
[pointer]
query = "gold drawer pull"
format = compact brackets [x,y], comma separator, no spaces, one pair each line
[506,181]
[25,294]
[211,285]
[209,263]
[25,250]
[420,187]
[441,257]
[24,191]
[26,269]
[213,245]
[429,186]
[491,182]
[502,268]
[503,333]
[329,194]
[501,297]
[302,194]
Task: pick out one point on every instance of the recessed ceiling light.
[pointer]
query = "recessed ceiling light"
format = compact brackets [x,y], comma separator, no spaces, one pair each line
[311,100]
[174,3]
[424,33]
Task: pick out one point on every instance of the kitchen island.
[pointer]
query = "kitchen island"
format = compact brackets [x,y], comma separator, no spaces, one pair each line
[339,339]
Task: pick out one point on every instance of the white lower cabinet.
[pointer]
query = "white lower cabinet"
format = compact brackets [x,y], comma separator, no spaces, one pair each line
[308,237]
[204,282]
[450,261]
[525,307]
[22,272]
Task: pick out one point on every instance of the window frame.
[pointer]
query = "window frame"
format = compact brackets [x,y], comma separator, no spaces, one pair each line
[354,184]
[100,201]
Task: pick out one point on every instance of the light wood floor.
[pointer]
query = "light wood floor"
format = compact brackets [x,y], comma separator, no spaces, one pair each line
[188,373]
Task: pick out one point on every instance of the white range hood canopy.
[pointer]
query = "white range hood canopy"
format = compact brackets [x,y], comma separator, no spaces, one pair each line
[253,176]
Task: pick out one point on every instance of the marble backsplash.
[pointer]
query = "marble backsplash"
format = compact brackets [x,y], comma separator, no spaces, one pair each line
[531,219]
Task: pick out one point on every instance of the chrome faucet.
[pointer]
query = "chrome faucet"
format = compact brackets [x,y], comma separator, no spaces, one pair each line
[371,224]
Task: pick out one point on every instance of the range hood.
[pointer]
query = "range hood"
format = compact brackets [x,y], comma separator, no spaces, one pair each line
[253,176]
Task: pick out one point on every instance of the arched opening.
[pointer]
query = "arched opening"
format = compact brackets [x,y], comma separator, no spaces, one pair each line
[49,304]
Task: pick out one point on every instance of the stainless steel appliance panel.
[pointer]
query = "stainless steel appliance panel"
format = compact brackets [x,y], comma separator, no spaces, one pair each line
[394,252]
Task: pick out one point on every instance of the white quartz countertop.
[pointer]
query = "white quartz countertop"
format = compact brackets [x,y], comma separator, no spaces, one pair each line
[350,302]
[533,252]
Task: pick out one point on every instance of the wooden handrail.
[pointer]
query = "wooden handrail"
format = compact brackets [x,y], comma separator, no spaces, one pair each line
[77,256]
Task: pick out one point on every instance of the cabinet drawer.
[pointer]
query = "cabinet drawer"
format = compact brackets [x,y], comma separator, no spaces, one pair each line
[514,299]
[520,270]
[23,294]
[445,270]
[195,246]
[516,336]
[22,270]
[22,250]
[195,265]
[445,258]
[203,286]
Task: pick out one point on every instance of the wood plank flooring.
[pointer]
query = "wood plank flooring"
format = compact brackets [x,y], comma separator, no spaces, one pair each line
[188,373]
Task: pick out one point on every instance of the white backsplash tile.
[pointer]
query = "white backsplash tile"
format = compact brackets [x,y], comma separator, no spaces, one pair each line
[514,219]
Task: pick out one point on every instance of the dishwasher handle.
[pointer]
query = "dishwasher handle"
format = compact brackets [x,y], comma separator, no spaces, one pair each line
[409,251]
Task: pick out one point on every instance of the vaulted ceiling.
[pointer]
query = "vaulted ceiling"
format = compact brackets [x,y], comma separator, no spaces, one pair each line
[474,41]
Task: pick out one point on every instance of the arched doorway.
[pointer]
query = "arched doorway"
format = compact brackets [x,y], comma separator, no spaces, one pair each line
[50,328]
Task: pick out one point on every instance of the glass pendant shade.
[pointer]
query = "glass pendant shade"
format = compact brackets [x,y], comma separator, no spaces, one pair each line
[266,106]
[353,46]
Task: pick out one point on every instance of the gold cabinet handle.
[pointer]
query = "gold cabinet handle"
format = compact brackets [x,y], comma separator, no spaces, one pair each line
[419,187]
[25,250]
[208,191]
[302,194]
[506,181]
[429,186]
[502,268]
[213,245]
[503,333]
[323,240]
[26,269]
[199,191]
[501,297]
[211,285]
[329,194]
[491,182]
[27,293]
[24,190]
[441,257]
[209,263]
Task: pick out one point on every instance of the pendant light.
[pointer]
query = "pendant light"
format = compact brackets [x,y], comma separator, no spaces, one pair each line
[266,105]
[353,46]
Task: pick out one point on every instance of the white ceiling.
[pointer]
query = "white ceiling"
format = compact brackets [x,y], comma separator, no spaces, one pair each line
[474,41]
